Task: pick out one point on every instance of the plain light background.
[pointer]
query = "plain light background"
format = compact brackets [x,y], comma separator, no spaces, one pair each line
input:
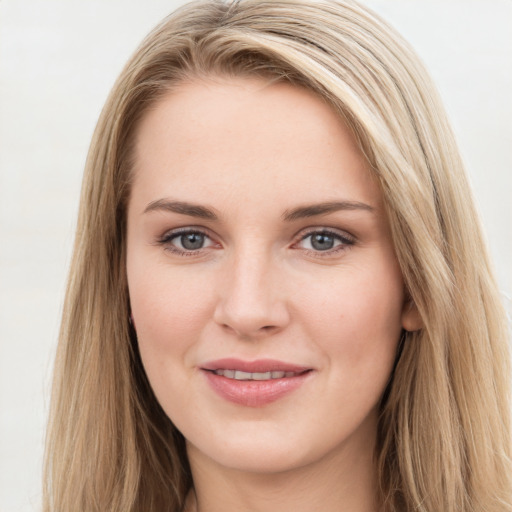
[58,60]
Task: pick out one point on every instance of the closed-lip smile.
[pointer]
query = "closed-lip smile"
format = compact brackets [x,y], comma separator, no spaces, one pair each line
[254,383]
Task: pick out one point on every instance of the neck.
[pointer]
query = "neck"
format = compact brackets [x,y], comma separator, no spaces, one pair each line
[342,481]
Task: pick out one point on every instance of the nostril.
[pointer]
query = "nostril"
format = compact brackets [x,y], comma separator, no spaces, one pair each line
[250,334]
[248,316]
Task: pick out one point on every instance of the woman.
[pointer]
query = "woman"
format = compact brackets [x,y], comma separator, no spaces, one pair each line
[280,297]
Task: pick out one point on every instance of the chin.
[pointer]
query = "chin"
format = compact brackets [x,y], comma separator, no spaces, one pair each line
[260,450]
[258,459]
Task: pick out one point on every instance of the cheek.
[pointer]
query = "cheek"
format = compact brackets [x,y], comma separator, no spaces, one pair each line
[170,312]
[357,325]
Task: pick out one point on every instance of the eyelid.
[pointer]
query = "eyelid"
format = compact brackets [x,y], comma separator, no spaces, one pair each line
[342,233]
[169,235]
[347,239]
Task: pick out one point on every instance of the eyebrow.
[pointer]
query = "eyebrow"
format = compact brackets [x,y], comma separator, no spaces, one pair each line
[192,210]
[301,212]
[313,210]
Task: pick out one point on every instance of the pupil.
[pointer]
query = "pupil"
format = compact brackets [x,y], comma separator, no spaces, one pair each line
[192,241]
[322,242]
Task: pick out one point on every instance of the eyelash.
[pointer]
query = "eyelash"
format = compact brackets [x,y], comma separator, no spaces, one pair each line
[346,241]
[169,236]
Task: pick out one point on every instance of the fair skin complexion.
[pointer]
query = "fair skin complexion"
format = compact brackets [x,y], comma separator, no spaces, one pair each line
[226,259]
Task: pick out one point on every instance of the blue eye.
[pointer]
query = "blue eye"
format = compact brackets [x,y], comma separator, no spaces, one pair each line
[191,241]
[186,241]
[324,241]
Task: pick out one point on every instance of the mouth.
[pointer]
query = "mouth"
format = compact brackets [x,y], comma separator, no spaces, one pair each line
[270,375]
[254,383]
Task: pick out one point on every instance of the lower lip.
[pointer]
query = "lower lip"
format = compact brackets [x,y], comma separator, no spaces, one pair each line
[254,393]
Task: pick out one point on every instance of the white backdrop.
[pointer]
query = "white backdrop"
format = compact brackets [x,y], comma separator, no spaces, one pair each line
[58,61]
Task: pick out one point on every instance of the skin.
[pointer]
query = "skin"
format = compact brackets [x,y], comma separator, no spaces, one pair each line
[251,152]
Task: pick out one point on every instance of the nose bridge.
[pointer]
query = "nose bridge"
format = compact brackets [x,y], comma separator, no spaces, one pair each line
[250,301]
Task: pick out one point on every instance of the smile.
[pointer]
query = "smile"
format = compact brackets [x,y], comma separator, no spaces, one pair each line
[240,375]
[254,383]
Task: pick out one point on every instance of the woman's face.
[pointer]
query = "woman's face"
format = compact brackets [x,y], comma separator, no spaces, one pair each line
[265,291]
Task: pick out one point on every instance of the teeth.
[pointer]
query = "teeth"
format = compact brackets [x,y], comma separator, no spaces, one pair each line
[262,376]
[239,375]
[242,375]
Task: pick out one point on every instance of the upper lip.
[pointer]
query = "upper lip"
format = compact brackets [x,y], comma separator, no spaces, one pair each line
[257,366]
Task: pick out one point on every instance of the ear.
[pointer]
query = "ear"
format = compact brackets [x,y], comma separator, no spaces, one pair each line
[131,320]
[411,319]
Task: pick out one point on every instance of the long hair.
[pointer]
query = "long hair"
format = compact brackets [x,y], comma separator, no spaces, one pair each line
[444,432]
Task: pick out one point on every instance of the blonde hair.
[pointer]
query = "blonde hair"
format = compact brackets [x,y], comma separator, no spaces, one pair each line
[444,431]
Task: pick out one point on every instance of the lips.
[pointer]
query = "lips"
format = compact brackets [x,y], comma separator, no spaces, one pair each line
[254,383]
[259,366]
[239,375]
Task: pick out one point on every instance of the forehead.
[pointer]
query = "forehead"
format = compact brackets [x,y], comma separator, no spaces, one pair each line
[211,138]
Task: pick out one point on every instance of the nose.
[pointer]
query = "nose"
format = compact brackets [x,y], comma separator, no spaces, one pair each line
[251,302]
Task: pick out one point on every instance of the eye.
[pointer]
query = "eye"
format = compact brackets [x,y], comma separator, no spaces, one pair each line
[186,241]
[325,241]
